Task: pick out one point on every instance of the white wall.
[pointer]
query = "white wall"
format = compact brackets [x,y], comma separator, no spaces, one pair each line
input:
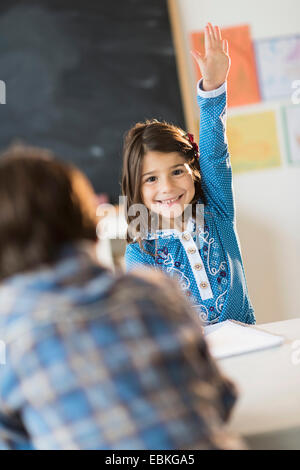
[267,201]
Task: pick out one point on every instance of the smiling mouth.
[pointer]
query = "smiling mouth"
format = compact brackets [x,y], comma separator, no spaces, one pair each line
[169,202]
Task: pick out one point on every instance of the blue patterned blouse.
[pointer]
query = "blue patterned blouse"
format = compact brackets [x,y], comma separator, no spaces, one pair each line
[206,258]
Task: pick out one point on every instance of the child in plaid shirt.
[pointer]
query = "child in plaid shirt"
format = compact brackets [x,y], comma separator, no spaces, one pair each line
[92,361]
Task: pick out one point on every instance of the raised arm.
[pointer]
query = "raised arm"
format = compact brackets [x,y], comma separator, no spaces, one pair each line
[214,157]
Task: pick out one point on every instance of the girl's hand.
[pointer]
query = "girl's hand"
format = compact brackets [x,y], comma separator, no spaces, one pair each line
[214,65]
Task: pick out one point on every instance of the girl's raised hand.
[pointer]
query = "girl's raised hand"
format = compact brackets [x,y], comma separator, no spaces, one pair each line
[214,65]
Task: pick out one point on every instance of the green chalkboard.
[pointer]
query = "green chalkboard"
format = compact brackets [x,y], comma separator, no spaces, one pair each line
[79,74]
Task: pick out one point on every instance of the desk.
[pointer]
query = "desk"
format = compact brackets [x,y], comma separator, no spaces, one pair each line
[267,413]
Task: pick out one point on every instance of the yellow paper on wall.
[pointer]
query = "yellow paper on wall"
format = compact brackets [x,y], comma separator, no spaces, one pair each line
[253,141]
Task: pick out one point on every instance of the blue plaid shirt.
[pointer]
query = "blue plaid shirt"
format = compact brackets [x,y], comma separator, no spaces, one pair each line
[206,258]
[101,362]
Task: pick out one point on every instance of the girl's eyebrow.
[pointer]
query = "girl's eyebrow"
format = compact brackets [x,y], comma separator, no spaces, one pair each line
[154,171]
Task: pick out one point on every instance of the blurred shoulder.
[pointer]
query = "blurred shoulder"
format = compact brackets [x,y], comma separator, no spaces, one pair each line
[155,291]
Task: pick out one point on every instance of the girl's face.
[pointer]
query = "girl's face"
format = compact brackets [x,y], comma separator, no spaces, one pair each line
[167,183]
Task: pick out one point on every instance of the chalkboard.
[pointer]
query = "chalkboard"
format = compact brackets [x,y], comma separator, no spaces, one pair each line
[78,74]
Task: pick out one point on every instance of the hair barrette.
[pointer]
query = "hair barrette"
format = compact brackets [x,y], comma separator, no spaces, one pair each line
[190,138]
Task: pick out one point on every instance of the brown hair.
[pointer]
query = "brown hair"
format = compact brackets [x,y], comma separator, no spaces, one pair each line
[158,136]
[45,204]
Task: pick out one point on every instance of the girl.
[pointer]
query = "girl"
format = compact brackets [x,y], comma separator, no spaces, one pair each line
[162,171]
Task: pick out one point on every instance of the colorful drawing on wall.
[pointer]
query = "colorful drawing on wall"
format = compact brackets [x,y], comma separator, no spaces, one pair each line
[291,121]
[253,141]
[278,63]
[242,79]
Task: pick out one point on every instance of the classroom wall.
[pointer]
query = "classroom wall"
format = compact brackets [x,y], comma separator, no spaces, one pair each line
[267,201]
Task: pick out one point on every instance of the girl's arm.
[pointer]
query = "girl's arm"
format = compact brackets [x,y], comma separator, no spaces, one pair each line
[214,157]
[215,167]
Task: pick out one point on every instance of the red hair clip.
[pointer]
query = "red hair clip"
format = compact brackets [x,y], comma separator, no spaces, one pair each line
[190,138]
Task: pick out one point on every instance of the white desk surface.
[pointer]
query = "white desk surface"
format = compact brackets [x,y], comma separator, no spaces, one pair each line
[269,384]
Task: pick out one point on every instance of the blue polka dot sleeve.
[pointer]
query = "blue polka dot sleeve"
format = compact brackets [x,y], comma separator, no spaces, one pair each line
[215,167]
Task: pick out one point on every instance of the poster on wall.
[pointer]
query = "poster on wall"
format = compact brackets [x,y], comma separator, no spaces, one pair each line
[253,141]
[278,63]
[291,126]
[243,86]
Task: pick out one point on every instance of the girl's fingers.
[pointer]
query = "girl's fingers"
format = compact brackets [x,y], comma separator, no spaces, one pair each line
[211,32]
[213,36]
[225,46]
[207,38]
[197,56]
[218,33]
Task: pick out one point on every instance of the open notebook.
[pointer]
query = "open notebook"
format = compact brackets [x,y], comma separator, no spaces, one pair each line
[230,339]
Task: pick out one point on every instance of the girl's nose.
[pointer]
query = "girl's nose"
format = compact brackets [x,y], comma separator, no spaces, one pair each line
[166,185]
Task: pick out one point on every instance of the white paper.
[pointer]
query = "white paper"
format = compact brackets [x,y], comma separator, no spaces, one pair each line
[230,339]
[278,62]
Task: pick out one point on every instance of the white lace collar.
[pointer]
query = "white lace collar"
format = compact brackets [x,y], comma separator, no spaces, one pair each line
[173,232]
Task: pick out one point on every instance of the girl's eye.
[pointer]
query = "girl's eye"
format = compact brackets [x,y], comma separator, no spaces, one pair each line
[177,172]
[151,179]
